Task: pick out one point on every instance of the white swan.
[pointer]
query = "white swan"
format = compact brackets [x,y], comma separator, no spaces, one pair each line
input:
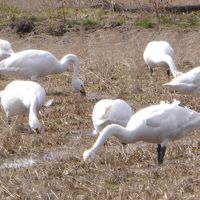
[160,53]
[5,49]
[158,124]
[36,63]
[108,111]
[21,97]
[188,83]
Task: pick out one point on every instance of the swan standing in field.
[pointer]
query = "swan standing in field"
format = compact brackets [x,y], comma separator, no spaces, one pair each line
[188,83]
[36,63]
[21,97]
[160,53]
[108,111]
[158,124]
[5,49]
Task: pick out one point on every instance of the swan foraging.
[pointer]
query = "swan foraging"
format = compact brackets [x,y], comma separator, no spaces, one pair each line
[160,53]
[5,49]
[188,83]
[158,124]
[36,63]
[109,111]
[21,97]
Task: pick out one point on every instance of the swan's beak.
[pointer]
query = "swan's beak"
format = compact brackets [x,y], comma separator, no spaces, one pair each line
[82,91]
[37,131]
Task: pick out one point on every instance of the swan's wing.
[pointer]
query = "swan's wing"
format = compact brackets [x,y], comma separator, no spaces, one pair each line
[104,115]
[161,116]
[155,120]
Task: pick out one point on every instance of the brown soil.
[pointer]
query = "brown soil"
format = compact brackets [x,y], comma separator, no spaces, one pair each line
[111,67]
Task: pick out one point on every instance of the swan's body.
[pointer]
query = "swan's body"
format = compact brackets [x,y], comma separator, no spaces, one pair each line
[22,97]
[109,111]
[36,63]
[5,49]
[160,53]
[188,83]
[158,124]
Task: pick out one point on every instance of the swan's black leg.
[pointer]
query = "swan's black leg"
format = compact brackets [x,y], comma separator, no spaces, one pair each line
[9,121]
[151,71]
[163,150]
[168,73]
[159,153]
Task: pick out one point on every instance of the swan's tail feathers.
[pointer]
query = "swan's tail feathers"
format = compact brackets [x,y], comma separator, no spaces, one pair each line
[163,102]
[49,102]
[176,102]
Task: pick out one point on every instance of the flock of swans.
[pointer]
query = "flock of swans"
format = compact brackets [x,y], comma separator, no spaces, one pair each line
[157,124]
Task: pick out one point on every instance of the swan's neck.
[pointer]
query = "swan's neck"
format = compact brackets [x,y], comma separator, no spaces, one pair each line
[169,60]
[118,131]
[33,112]
[70,58]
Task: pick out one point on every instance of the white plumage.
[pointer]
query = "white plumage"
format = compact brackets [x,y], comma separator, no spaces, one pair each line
[108,111]
[36,63]
[188,83]
[158,54]
[5,49]
[22,97]
[155,124]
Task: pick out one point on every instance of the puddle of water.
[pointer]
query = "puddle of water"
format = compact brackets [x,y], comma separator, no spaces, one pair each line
[38,158]
[17,163]
[33,159]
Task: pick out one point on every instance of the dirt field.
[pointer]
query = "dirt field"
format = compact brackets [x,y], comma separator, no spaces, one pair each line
[50,166]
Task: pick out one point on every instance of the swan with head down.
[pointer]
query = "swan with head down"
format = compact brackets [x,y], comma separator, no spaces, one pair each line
[22,97]
[158,54]
[108,111]
[35,63]
[158,124]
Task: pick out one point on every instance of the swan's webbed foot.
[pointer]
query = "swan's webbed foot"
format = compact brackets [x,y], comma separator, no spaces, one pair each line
[161,153]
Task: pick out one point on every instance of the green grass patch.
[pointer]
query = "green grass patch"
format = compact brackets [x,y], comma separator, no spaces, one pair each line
[90,21]
[145,22]
[72,17]
[6,9]
[168,20]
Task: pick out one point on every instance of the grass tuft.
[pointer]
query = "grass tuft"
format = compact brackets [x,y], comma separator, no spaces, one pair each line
[145,22]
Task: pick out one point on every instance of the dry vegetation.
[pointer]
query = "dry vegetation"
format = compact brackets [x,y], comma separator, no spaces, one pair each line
[111,67]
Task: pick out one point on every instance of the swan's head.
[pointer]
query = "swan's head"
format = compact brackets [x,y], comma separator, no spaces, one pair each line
[35,125]
[78,85]
[88,155]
